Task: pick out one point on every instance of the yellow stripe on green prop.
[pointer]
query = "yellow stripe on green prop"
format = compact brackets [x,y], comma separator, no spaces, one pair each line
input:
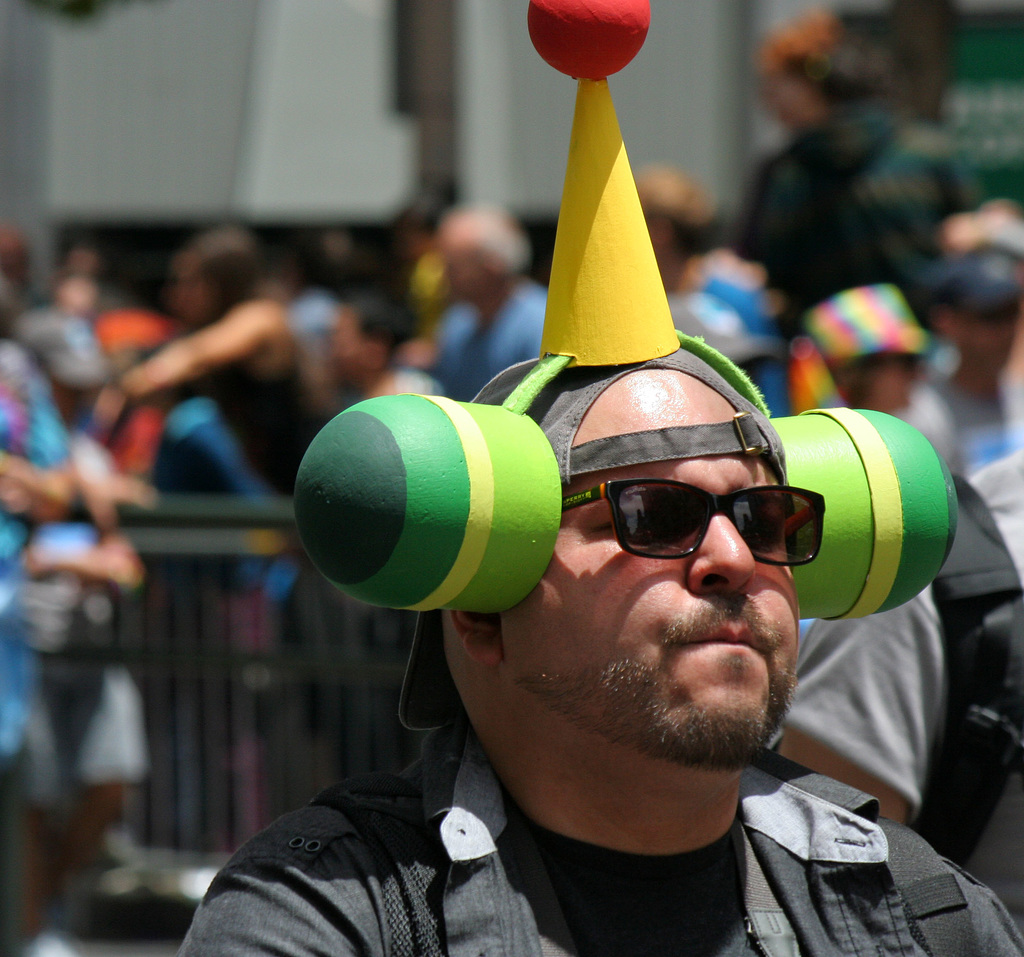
[481,506]
[887,507]
[527,511]
[929,505]
[821,456]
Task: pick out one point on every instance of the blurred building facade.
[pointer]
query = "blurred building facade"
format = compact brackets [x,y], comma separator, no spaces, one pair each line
[276,112]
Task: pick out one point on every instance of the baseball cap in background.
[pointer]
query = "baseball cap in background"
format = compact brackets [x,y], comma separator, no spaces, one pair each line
[65,346]
[975,281]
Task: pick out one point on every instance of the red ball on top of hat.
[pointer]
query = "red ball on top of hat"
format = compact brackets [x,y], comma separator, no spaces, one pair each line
[588,39]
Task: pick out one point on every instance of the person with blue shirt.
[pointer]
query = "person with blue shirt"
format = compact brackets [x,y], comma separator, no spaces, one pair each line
[34,486]
[496,315]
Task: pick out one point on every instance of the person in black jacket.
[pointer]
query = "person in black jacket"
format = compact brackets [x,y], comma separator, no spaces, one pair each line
[600,544]
[856,197]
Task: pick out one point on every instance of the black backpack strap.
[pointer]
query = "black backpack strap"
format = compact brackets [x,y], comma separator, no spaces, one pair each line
[387,812]
[555,936]
[820,785]
[933,898]
[767,922]
[978,597]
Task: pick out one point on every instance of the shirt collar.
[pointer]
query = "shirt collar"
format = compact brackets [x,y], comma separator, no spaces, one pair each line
[810,827]
[462,794]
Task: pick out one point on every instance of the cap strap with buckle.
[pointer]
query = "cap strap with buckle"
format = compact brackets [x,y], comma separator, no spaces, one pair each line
[739,435]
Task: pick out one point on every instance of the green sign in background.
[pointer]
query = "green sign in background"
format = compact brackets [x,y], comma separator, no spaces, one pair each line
[985,107]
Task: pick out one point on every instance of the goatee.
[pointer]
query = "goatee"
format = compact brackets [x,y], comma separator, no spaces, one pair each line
[625,701]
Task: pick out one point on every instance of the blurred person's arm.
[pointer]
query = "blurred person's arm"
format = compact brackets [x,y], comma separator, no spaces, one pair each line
[254,332]
[961,233]
[112,559]
[870,702]
[42,495]
[997,225]
[102,495]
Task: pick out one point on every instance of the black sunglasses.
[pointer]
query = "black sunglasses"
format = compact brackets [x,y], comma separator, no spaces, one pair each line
[659,518]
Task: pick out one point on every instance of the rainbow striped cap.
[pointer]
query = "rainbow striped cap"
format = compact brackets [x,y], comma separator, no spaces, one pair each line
[865,320]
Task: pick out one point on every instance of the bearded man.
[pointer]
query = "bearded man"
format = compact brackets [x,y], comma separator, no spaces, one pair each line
[597,780]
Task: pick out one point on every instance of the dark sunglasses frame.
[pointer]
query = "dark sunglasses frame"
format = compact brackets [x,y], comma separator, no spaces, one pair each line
[713,505]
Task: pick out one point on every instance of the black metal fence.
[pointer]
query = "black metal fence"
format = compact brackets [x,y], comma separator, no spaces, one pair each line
[261,682]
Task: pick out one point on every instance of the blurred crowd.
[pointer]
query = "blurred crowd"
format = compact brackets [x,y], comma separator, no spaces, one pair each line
[863,269]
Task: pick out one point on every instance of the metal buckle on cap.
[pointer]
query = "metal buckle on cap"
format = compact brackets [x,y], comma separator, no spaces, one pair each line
[745,443]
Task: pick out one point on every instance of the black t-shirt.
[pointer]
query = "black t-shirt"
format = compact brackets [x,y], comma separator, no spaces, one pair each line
[627,905]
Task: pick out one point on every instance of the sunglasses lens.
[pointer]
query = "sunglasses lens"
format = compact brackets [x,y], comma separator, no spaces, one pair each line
[661,520]
[777,525]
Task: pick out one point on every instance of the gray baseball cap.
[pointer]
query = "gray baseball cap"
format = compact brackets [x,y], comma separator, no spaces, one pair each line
[66,346]
[429,698]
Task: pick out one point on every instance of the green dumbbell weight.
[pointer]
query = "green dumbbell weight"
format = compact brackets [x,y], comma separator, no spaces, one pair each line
[420,502]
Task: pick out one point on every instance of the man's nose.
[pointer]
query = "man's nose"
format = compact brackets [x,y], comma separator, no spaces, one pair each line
[723,560]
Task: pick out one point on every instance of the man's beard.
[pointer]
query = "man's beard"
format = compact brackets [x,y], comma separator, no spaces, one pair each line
[627,701]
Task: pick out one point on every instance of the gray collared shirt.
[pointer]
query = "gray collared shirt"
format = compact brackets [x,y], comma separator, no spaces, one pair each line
[309,886]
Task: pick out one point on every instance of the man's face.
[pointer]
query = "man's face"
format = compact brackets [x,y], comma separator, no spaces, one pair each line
[982,338]
[467,270]
[990,332]
[795,101]
[188,295]
[883,381]
[686,660]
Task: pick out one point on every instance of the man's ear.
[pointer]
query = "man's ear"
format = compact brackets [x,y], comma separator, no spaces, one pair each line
[479,634]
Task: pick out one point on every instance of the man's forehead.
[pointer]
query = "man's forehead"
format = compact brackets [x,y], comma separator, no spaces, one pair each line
[685,405]
[651,399]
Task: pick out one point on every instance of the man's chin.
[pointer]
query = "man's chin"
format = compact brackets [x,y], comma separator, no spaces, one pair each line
[708,738]
[626,704]
[723,730]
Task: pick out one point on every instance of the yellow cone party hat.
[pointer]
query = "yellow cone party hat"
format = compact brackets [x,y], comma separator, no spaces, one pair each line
[606,302]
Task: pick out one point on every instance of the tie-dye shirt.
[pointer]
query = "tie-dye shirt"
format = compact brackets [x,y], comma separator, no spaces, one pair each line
[30,426]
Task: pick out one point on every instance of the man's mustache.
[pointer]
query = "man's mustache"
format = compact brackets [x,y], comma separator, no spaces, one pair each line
[715,613]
